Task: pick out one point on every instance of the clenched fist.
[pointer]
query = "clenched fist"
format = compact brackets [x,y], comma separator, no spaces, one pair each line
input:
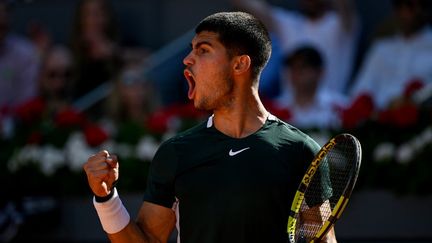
[102,171]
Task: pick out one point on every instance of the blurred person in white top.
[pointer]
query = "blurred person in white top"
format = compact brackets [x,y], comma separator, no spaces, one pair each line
[310,107]
[19,64]
[396,62]
[331,27]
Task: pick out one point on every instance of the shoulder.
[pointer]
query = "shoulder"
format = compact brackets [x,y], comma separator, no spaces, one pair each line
[191,133]
[293,135]
[186,137]
[176,150]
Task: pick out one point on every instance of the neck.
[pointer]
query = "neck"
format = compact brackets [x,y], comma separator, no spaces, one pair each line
[244,116]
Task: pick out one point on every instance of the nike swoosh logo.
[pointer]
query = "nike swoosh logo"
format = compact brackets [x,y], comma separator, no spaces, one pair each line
[232,153]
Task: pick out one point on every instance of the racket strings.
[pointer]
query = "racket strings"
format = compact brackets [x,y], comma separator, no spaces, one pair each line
[326,188]
[342,161]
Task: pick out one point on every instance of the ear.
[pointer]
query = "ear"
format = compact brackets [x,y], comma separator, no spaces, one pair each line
[242,64]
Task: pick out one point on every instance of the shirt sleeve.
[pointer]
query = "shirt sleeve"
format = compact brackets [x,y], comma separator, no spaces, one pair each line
[160,181]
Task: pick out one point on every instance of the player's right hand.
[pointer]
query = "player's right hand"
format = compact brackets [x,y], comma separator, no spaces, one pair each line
[102,171]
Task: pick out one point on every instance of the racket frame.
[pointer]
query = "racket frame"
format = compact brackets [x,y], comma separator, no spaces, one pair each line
[307,178]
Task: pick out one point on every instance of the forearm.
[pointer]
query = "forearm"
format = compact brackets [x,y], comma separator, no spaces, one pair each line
[117,224]
[154,222]
[131,233]
[330,237]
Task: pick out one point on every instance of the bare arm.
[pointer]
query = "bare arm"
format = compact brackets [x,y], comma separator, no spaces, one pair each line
[259,8]
[154,223]
[314,218]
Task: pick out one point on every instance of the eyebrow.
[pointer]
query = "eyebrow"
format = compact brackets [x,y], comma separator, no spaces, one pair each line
[200,43]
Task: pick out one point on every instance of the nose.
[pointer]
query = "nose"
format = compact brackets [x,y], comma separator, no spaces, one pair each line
[188,60]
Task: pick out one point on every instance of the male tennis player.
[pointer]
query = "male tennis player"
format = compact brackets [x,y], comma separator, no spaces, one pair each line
[229,179]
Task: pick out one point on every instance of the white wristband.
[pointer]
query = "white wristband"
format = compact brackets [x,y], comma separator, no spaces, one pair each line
[112,214]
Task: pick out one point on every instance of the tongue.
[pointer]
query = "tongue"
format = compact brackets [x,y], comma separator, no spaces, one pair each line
[191,91]
[191,83]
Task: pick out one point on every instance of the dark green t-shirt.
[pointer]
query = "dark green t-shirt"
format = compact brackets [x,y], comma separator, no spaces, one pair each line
[230,189]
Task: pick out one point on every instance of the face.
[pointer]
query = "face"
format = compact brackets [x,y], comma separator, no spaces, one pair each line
[208,72]
[304,78]
[131,88]
[56,73]
[409,16]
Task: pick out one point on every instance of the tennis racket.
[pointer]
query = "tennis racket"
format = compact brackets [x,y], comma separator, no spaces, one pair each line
[325,189]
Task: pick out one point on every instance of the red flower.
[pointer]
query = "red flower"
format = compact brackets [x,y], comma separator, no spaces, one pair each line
[413,86]
[280,112]
[402,116]
[159,121]
[94,135]
[35,138]
[31,111]
[359,111]
[187,111]
[69,118]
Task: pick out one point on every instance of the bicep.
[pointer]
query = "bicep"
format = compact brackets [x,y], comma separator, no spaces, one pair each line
[154,224]
[156,221]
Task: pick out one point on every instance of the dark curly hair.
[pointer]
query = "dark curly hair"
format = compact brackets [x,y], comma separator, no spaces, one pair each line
[241,34]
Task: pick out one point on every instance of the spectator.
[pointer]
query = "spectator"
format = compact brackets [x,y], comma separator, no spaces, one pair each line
[94,45]
[332,33]
[53,96]
[134,97]
[56,77]
[310,107]
[19,65]
[396,65]
[50,117]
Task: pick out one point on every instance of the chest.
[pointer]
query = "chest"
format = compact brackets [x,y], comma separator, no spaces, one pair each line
[232,169]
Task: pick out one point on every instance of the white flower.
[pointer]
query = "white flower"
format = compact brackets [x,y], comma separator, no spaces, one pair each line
[77,151]
[146,148]
[417,143]
[384,151]
[404,154]
[51,159]
[24,156]
[47,158]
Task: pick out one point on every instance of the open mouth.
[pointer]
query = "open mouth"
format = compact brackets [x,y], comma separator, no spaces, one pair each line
[191,82]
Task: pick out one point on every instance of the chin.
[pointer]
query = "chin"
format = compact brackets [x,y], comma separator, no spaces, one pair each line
[202,106]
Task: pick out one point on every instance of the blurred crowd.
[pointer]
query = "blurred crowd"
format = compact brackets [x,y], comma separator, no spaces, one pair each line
[318,77]
[314,79]
[321,83]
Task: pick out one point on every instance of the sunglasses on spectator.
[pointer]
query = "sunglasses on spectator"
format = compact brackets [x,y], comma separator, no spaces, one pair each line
[59,74]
